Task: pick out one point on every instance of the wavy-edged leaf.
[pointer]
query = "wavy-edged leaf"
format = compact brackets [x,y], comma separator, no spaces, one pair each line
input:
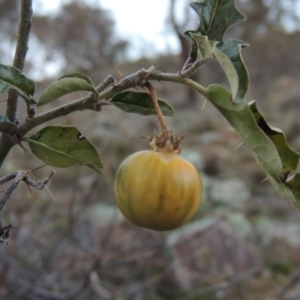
[215,17]
[61,147]
[140,103]
[230,58]
[242,120]
[289,157]
[12,78]
[65,85]
[271,158]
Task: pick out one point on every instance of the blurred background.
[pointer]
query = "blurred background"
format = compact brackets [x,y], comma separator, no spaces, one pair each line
[72,243]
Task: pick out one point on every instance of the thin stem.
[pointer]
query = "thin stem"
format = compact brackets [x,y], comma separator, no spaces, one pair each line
[20,53]
[177,78]
[16,178]
[139,78]
[193,68]
[105,83]
[63,110]
[6,143]
[157,108]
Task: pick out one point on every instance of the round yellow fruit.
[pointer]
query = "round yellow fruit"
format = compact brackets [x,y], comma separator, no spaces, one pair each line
[156,190]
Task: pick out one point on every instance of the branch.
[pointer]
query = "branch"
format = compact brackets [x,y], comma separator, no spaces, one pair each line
[105,83]
[139,78]
[179,78]
[188,70]
[4,233]
[20,53]
[16,178]
[6,143]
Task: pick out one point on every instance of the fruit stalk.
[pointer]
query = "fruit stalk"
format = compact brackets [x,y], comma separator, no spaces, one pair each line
[157,108]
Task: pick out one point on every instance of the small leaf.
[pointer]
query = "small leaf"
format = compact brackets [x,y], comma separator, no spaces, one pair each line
[62,147]
[78,75]
[6,126]
[215,17]
[229,56]
[140,103]
[205,48]
[65,85]
[12,78]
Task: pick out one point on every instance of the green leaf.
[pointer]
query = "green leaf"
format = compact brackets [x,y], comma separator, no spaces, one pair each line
[62,147]
[267,146]
[6,126]
[79,76]
[241,119]
[140,103]
[12,78]
[205,48]
[65,85]
[215,17]
[229,57]
[289,157]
